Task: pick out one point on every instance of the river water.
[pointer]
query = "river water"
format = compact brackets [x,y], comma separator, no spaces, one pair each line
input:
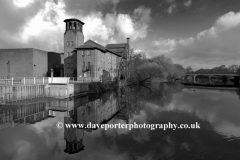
[29,131]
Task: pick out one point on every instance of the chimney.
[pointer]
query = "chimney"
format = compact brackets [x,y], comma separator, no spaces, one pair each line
[128,41]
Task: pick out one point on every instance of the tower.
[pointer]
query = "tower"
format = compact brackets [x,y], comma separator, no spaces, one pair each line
[73,36]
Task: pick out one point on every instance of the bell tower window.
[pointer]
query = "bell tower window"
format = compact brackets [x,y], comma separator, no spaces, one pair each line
[75,25]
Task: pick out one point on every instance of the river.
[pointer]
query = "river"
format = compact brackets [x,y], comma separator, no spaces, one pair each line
[29,131]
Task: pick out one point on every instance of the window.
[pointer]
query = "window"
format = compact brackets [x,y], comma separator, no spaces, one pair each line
[75,25]
[68,43]
[89,65]
[72,43]
[88,53]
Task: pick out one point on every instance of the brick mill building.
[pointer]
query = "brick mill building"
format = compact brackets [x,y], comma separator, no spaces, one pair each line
[80,59]
[90,59]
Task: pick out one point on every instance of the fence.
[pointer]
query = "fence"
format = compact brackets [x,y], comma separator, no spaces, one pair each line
[24,81]
[47,80]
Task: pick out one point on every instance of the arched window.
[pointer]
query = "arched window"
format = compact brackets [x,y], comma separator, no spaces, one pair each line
[75,25]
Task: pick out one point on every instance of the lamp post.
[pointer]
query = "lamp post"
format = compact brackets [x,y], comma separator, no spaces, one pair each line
[8,68]
[34,70]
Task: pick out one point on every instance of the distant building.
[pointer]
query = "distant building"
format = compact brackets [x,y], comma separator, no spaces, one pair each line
[29,62]
[122,49]
[90,59]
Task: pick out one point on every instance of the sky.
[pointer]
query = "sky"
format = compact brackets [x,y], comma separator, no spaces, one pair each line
[196,33]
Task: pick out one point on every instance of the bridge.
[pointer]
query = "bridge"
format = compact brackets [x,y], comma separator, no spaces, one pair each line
[213,78]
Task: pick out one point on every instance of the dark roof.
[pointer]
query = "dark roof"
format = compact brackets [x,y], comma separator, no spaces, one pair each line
[111,51]
[115,48]
[119,53]
[73,19]
[119,45]
[93,45]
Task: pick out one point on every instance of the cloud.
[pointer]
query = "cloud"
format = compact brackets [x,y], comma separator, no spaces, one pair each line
[228,21]
[22,3]
[187,3]
[95,27]
[40,24]
[85,7]
[169,1]
[172,8]
[215,46]
[117,26]
[45,30]
[136,27]
[166,45]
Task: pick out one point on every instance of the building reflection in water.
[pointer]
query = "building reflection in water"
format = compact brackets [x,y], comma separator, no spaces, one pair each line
[73,138]
[81,110]
[11,116]
[97,111]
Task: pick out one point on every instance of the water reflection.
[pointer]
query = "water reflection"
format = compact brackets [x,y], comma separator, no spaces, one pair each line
[73,138]
[96,111]
[217,112]
[11,116]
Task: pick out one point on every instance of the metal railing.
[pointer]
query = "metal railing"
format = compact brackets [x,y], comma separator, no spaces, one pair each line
[24,81]
[48,80]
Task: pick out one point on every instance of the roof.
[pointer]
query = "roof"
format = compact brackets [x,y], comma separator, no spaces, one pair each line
[93,45]
[115,48]
[73,19]
[27,49]
[119,45]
